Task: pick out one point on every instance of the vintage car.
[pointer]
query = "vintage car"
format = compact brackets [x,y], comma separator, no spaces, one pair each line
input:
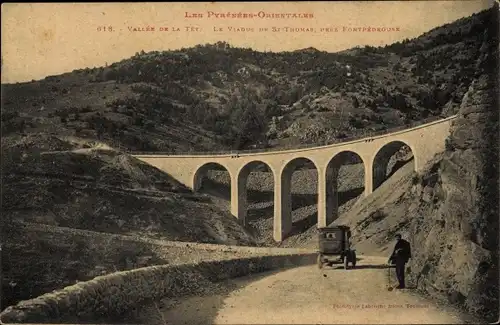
[335,247]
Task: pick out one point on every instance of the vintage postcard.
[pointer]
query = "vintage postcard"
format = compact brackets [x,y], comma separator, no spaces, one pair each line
[250,162]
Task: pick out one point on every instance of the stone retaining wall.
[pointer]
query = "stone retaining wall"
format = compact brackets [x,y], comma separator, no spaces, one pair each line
[114,294]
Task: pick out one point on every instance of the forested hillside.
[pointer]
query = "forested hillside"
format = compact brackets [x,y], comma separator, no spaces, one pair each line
[216,96]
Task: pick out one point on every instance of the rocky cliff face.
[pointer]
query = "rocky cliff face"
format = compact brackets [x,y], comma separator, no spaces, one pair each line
[455,231]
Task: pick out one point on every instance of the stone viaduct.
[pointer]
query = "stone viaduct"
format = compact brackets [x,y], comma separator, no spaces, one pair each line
[424,141]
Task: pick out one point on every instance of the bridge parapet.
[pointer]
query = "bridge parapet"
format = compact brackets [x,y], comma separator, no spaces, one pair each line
[365,135]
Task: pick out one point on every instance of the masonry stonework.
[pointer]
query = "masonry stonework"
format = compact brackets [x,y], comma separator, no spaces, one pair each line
[424,141]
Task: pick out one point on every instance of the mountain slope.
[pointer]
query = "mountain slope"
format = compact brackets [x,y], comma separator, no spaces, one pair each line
[216,97]
[67,182]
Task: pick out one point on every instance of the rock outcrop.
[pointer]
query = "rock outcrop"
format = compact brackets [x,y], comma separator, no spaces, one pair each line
[455,230]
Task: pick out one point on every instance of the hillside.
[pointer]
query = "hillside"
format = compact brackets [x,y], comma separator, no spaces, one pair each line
[67,182]
[212,97]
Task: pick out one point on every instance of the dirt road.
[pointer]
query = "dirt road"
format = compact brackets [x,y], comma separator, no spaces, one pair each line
[308,295]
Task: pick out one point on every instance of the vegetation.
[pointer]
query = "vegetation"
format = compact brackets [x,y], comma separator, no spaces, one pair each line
[229,96]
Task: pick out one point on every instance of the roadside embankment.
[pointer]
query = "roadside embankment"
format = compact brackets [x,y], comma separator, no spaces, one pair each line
[112,295]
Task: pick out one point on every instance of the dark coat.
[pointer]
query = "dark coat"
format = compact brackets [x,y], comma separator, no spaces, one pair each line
[402,251]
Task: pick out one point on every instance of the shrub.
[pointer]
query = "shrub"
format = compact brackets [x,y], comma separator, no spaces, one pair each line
[415,179]
[448,145]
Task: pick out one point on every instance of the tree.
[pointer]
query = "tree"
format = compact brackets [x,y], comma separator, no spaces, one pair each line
[248,126]
[355,102]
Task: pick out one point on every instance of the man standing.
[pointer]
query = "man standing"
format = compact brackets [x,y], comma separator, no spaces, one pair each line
[400,256]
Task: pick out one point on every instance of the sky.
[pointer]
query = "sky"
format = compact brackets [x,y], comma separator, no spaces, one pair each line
[45,39]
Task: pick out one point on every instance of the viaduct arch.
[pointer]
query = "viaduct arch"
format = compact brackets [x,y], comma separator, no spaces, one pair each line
[424,141]
[332,180]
